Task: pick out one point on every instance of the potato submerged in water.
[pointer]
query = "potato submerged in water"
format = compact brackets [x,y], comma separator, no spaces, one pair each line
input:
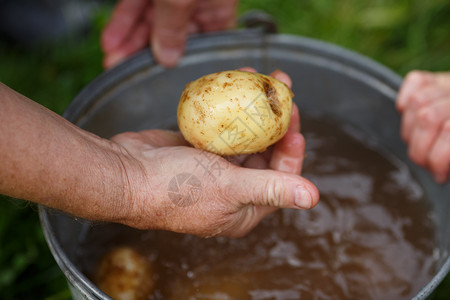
[124,274]
[234,112]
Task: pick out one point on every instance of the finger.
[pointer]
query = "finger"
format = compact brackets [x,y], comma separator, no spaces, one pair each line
[263,211]
[248,69]
[215,15]
[205,5]
[237,160]
[414,81]
[422,139]
[163,138]
[193,28]
[138,40]
[170,27]
[408,122]
[256,161]
[294,124]
[277,74]
[288,153]
[439,158]
[129,140]
[269,188]
[283,77]
[153,138]
[215,20]
[126,14]
[217,26]
[426,95]
[429,122]
[247,219]
[111,60]
[148,15]
[268,153]
[418,100]
[443,79]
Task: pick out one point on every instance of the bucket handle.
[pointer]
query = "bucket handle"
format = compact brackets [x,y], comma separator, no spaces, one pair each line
[258,18]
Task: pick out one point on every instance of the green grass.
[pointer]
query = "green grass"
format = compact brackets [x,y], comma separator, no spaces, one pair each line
[400,34]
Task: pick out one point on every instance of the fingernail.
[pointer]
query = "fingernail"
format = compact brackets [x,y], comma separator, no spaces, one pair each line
[169,57]
[113,60]
[302,197]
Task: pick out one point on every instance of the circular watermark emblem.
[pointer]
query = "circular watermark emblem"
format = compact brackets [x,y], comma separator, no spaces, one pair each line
[184,189]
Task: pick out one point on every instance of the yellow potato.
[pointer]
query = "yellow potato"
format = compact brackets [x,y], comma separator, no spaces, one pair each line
[234,112]
[124,274]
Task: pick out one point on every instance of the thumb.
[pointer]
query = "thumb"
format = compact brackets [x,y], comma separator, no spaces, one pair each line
[270,188]
[170,29]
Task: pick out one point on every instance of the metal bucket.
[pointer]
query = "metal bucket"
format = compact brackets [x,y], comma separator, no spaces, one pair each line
[140,94]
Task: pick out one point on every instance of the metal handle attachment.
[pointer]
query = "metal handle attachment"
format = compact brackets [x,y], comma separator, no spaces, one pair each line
[258,18]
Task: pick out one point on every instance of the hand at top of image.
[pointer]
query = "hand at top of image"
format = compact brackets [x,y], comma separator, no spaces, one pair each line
[162,24]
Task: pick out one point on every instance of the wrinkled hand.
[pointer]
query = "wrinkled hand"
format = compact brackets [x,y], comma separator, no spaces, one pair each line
[182,189]
[164,24]
[424,101]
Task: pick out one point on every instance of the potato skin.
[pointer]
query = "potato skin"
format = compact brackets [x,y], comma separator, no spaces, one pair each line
[234,112]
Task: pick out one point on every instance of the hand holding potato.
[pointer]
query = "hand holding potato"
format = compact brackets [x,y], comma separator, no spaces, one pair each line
[225,199]
[424,101]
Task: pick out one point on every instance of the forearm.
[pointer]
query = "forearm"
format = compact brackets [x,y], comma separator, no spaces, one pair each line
[48,160]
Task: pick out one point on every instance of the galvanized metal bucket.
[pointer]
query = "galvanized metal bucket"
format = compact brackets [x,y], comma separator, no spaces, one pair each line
[139,94]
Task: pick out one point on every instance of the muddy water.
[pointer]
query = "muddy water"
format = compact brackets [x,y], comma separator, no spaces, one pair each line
[371,236]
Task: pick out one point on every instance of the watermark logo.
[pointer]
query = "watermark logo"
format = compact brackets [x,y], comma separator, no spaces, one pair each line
[259,111]
[237,136]
[211,164]
[184,189]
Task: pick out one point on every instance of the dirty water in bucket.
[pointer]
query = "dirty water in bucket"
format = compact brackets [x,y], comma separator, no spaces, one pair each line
[370,237]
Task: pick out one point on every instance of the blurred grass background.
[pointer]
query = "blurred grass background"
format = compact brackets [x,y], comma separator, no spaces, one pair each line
[401,34]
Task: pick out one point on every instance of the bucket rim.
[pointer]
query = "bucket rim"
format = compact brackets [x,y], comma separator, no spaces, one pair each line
[144,58]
